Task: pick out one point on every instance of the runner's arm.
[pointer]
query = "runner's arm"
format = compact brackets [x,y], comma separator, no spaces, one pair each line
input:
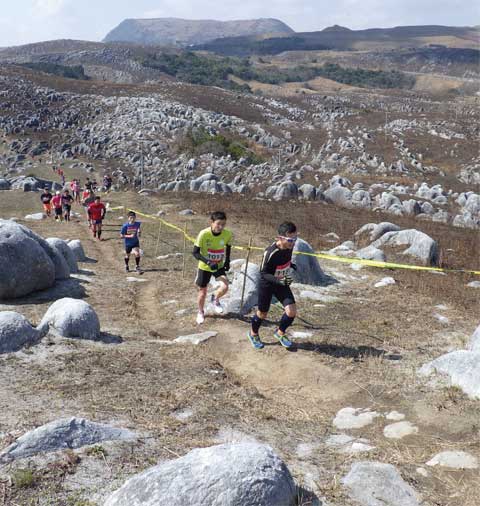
[228,251]
[266,271]
[197,254]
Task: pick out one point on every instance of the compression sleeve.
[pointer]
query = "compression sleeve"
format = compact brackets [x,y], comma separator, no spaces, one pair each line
[227,253]
[266,276]
[270,278]
[196,253]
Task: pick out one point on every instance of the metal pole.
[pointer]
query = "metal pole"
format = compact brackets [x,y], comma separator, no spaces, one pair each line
[184,251]
[158,238]
[246,272]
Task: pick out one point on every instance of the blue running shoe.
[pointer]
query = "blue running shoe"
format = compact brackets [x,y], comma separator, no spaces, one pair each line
[283,340]
[255,340]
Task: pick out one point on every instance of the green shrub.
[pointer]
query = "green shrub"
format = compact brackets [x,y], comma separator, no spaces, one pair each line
[74,72]
[23,478]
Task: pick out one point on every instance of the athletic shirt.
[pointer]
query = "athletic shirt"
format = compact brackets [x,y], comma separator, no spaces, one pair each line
[67,200]
[129,229]
[213,247]
[57,201]
[276,263]
[96,211]
[46,197]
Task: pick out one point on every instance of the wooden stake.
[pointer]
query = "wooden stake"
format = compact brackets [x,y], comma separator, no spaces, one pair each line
[246,272]
[184,250]
[158,239]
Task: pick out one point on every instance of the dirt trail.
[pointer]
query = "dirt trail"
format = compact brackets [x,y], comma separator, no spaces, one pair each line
[296,375]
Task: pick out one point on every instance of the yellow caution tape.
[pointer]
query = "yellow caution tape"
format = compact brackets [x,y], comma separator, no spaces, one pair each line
[323,256]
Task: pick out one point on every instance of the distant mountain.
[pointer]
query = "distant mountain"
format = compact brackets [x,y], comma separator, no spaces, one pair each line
[183,32]
[341,38]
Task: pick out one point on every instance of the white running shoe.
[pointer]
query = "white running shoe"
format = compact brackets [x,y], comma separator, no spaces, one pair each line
[200,318]
[217,306]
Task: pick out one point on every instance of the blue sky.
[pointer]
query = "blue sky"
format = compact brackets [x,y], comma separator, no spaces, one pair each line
[25,21]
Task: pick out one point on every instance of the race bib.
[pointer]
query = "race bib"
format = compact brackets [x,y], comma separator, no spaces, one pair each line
[216,255]
[282,270]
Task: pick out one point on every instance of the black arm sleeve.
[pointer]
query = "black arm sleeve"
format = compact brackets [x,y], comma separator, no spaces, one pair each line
[270,278]
[196,253]
[227,253]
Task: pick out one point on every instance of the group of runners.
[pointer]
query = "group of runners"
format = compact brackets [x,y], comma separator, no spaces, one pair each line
[212,249]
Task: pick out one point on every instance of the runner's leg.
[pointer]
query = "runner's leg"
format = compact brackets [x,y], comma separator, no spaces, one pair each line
[223,288]
[136,252]
[287,319]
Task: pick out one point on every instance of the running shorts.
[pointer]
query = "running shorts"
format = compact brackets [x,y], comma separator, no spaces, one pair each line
[265,293]
[203,277]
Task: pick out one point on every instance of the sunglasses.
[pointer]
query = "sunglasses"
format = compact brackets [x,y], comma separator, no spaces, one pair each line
[289,239]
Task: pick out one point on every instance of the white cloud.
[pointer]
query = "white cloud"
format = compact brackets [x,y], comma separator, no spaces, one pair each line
[48,7]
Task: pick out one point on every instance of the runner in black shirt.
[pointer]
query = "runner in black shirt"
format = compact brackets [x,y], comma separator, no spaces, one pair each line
[46,198]
[67,201]
[275,280]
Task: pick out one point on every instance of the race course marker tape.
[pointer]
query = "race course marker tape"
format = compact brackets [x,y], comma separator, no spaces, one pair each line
[324,256]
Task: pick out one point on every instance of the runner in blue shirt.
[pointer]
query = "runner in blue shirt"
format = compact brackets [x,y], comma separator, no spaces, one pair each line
[131,233]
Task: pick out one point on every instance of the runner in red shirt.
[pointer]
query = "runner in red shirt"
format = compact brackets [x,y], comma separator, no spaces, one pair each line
[57,206]
[96,214]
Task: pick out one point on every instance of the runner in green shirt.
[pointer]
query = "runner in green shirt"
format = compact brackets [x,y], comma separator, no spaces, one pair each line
[212,250]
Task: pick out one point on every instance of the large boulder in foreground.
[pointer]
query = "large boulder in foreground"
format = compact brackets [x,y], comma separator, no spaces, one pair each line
[245,474]
[16,332]
[26,261]
[460,367]
[378,484]
[72,318]
[62,248]
[60,435]
[77,249]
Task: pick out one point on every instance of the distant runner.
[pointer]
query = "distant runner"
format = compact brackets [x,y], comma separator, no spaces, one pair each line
[57,206]
[67,201]
[96,213]
[62,176]
[88,198]
[46,198]
[275,281]
[75,185]
[131,233]
[212,250]
[107,182]
[88,184]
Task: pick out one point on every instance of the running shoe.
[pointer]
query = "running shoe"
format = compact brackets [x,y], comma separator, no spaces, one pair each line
[138,270]
[200,317]
[217,306]
[127,268]
[283,340]
[255,340]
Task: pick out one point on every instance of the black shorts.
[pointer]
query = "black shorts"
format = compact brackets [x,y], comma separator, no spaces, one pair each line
[67,209]
[97,222]
[265,293]
[58,211]
[203,277]
[130,247]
